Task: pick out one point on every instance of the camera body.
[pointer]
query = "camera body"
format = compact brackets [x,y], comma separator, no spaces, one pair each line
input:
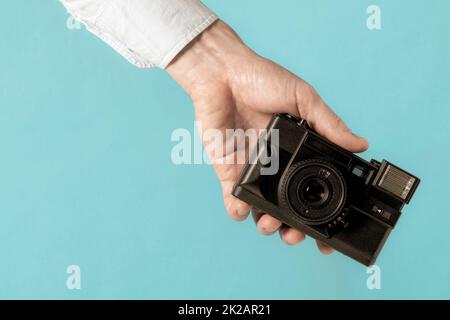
[326,191]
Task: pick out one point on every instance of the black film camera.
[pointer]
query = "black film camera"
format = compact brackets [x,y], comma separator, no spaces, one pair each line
[326,191]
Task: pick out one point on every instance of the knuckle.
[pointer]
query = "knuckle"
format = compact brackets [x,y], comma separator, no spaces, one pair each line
[306,97]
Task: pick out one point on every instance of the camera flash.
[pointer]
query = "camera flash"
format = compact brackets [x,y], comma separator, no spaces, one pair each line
[396,181]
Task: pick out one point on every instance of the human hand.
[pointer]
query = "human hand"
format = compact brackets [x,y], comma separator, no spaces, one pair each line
[232,87]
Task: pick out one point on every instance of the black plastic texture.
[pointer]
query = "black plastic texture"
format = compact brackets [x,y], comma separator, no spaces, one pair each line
[375,192]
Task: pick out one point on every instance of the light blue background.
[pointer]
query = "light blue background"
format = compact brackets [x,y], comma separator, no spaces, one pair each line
[86,176]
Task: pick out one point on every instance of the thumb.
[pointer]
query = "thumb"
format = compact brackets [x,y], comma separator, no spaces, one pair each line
[324,121]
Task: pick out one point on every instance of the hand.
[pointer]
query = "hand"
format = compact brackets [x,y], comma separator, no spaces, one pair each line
[232,87]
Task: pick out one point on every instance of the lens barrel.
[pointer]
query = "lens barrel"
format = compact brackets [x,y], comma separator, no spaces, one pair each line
[314,190]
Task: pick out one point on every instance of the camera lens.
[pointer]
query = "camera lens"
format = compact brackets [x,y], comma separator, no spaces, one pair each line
[314,190]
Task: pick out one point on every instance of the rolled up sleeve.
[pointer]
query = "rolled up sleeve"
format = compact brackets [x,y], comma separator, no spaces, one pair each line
[148,33]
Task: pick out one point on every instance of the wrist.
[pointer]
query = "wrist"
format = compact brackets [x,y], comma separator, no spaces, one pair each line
[209,57]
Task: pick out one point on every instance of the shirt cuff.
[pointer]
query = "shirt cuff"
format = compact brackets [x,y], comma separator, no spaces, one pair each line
[148,33]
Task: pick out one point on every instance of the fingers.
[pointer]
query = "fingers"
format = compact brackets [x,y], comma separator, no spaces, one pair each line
[268,225]
[291,236]
[237,209]
[321,118]
[323,248]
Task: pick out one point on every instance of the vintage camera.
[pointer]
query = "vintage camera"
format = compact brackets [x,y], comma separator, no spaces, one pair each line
[326,191]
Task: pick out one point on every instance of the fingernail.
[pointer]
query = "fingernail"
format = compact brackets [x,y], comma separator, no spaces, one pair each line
[268,231]
[242,213]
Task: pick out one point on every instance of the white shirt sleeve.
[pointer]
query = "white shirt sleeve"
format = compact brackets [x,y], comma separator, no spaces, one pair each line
[149,33]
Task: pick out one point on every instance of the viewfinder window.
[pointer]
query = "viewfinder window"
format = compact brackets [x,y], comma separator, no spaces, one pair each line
[358,171]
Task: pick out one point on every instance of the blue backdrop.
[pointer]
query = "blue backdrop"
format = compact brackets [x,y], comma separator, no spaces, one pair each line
[86,177]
